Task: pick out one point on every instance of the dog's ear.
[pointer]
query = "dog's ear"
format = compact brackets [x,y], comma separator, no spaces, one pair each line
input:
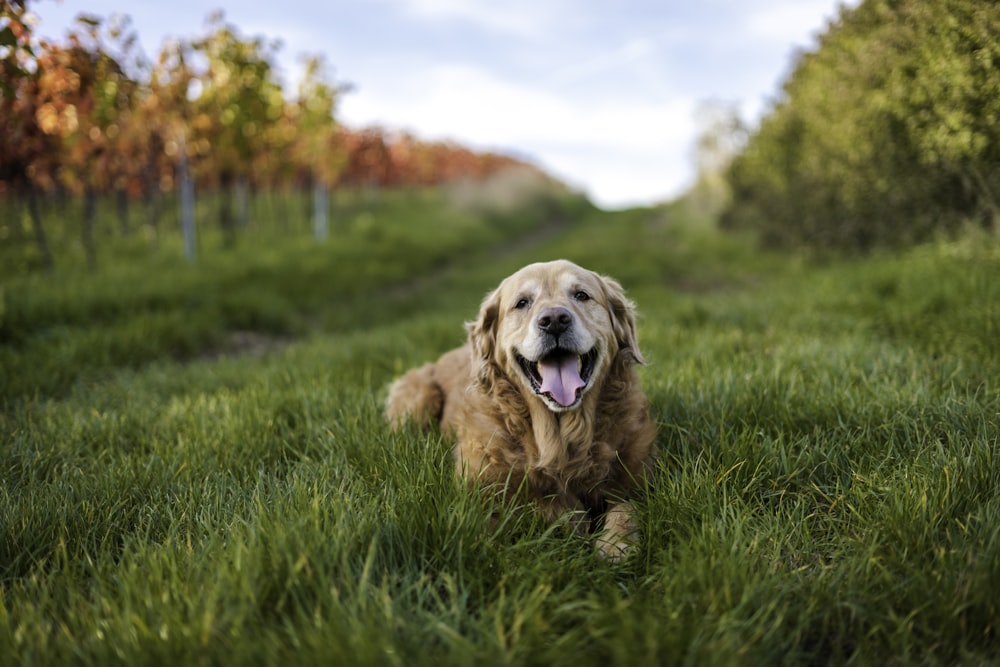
[622,317]
[483,332]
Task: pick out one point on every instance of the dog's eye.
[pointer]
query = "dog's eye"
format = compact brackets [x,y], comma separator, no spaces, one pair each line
[581,296]
[521,304]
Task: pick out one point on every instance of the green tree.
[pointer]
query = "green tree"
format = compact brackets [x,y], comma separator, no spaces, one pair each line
[238,101]
[885,134]
[949,95]
[722,135]
[96,97]
[23,144]
[316,149]
[170,117]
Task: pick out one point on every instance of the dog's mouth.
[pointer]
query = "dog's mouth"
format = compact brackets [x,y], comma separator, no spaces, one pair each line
[561,376]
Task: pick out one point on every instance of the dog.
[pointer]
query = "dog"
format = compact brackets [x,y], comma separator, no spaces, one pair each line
[544,399]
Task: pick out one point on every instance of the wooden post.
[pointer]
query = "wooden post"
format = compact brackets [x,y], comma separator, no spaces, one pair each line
[187,208]
[321,211]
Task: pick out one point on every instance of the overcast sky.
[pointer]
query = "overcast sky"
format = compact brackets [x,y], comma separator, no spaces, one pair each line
[601,93]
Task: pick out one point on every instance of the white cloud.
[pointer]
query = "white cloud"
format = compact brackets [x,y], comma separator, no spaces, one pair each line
[463,100]
[780,20]
[621,148]
[523,18]
[630,53]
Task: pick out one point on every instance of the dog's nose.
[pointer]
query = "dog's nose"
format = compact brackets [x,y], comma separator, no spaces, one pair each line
[555,321]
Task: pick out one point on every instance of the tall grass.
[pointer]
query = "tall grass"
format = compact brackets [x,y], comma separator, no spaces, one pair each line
[826,493]
[145,304]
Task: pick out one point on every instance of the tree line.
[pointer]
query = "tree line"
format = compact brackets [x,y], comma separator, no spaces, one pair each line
[887,133]
[92,116]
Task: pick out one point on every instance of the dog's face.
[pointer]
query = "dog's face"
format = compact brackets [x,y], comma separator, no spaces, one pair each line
[554,328]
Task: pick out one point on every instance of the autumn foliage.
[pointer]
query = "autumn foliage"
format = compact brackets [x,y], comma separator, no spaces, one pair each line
[91,115]
[92,111]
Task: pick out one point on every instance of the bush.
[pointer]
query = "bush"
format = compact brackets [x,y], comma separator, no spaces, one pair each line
[886,134]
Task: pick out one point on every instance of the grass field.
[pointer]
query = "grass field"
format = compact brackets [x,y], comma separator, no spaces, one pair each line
[195,469]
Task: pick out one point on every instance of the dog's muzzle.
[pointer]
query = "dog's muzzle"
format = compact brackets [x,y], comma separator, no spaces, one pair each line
[560,375]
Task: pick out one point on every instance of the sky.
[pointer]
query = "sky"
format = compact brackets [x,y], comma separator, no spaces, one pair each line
[605,95]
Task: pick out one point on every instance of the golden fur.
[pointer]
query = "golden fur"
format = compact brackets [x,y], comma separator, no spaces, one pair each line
[512,397]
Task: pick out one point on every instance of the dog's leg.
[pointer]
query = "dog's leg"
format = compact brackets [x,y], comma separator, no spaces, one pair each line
[619,535]
[416,395]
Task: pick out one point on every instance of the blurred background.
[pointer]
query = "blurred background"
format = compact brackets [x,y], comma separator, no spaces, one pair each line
[817,123]
[606,98]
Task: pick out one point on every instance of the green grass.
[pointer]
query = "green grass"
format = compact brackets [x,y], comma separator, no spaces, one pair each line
[827,491]
[145,305]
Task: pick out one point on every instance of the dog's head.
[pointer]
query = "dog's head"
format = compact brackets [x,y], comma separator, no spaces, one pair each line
[553,329]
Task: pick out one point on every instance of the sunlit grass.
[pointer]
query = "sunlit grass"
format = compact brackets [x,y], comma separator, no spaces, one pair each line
[827,490]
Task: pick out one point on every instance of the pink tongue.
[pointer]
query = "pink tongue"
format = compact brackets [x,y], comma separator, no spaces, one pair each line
[561,379]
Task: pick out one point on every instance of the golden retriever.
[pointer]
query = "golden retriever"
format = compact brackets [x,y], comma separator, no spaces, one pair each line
[545,398]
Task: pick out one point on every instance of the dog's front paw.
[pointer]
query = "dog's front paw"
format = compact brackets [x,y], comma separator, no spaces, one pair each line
[620,534]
